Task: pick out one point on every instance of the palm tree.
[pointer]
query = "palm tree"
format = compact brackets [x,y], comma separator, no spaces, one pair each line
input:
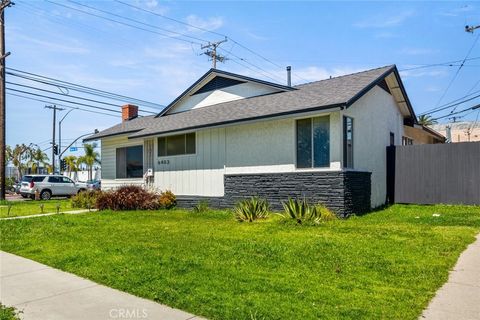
[17,156]
[71,162]
[426,120]
[37,158]
[90,158]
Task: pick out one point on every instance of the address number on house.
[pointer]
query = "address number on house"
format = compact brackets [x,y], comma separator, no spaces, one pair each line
[163,161]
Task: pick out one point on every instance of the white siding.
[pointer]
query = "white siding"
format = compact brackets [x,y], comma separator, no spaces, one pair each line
[108,159]
[198,174]
[375,116]
[236,92]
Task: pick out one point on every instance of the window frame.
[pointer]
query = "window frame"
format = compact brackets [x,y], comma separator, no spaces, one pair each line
[312,147]
[344,133]
[185,145]
[126,162]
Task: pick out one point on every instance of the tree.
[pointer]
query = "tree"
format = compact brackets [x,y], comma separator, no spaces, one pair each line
[71,162]
[17,156]
[426,120]
[37,158]
[90,158]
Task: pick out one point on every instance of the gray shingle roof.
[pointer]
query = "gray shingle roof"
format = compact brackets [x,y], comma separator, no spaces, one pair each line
[343,90]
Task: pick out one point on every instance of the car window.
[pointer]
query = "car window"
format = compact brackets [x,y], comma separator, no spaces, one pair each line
[66,180]
[27,178]
[54,179]
[38,179]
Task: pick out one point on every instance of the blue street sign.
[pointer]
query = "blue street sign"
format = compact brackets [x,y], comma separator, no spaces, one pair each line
[72,149]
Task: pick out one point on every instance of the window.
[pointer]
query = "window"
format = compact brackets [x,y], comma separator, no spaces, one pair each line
[55,179]
[406,141]
[130,162]
[313,142]
[347,142]
[176,145]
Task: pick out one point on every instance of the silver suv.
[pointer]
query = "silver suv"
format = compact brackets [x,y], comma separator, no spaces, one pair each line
[48,186]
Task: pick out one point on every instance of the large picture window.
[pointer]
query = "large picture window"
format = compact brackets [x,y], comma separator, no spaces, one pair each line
[347,142]
[130,162]
[176,145]
[313,142]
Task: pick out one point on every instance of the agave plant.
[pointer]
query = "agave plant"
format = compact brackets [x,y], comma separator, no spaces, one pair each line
[300,211]
[251,209]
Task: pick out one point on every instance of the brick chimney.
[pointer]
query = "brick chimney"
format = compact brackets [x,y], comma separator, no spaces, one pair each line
[129,111]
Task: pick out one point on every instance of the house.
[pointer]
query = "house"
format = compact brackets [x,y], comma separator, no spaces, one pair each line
[228,137]
[463,131]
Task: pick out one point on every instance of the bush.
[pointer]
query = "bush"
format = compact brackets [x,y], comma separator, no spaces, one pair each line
[201,207]
[134,198]
[167,200]
[251,209]
[302,212]
[86,199]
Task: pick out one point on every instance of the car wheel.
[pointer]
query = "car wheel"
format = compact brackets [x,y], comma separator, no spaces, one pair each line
[45,195]
[24,196]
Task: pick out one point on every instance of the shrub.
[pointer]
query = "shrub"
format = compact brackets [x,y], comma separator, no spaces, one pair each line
[302,212]
[130,198]
[86,199]
[251,209]
[167,200]
[201,207]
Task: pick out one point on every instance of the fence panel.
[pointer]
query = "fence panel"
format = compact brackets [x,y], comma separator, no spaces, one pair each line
[435,173]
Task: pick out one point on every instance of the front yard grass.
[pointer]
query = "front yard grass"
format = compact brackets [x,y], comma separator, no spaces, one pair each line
[384,265]
[30,207]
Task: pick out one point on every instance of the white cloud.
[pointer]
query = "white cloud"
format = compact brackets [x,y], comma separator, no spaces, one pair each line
[385,20]
[208,24]
[422,73]
[66,46]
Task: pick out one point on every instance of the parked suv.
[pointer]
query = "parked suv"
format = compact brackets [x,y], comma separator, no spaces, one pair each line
[48,186]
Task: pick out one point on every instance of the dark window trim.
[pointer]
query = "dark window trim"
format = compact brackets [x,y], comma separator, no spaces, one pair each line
[345,156]
[185,143]
[312,143]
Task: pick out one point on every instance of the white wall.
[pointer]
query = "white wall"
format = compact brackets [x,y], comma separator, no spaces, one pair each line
[108,160]
[236,92]
[375,116]
[198,174]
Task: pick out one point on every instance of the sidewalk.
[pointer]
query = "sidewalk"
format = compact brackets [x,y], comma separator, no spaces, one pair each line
[42,293]
[49,214]
[459,298]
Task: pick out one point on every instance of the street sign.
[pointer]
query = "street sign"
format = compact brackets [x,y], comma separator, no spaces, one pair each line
[73,149]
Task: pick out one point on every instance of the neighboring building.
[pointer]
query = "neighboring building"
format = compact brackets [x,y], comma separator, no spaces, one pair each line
[229,136]
[460,131]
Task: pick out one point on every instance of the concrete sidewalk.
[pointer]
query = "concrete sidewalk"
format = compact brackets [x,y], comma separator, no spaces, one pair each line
[42,292]
[49,214]
[459,298]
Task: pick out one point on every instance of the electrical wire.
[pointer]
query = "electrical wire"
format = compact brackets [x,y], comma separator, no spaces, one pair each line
[121,22]
[81,88]
[458,112]
[61,105]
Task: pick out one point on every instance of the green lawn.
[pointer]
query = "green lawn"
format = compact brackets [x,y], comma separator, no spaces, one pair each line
[384,265]
[29,207]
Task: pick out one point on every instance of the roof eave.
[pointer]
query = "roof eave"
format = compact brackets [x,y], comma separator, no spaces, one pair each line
[221,123]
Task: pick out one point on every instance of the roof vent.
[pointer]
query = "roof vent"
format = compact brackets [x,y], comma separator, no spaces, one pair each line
[289,76]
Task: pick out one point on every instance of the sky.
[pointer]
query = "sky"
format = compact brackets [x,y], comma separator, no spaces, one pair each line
[318,39]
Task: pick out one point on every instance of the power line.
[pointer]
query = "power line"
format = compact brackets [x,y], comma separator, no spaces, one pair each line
[458,112]
[121,22]
[451,105]
[61,105]
[458,71]
[439,64]
[136,21]
[81,88]
[210,31]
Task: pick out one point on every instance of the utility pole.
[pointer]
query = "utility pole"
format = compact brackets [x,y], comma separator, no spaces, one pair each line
[471,28]
[3,55]
[60,135]
[213,53]
[54,146]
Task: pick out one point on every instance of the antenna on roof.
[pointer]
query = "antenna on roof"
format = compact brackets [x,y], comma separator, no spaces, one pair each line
[213,53]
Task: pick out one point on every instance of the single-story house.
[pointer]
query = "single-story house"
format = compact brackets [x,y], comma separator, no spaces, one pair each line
[229,136]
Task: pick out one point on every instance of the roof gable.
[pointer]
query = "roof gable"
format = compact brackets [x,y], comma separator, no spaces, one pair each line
[216,79]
